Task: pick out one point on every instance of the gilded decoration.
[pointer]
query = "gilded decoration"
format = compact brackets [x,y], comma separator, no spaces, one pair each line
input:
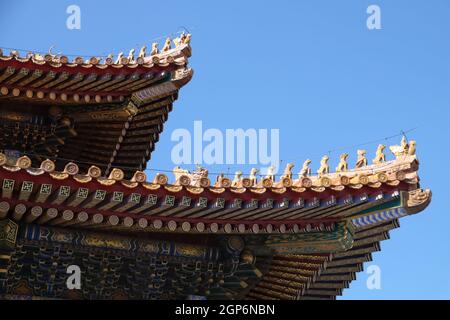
[189,250]
[82,178]
[337,240]
[324,167]
[106,182]
[59,175]
[418,200]
[379,156]
[343,164]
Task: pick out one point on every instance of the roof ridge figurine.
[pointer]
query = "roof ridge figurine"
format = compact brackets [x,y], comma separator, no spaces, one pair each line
[306,170]
[361,160]
[155,49]
[379,156]
[142,52]
[324,167]
[343,164]
[167,45]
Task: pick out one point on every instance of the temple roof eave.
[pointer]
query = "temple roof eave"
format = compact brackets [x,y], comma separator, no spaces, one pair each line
[183,207]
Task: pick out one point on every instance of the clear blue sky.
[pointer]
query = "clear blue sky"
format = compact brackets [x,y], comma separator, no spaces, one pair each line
[310,68]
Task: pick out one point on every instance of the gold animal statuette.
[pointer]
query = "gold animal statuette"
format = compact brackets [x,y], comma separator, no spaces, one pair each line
[131,55]
[270,173]
[119,58]
[219,178]
[237,179]
[324,167]
[142,52]
[404,143]
[167,46]
[155,49]
[402,149]
[343,164]
[187,39]
[306,170]
[288,171]
[361,161]
[252,176]
[379,156]
[180,40]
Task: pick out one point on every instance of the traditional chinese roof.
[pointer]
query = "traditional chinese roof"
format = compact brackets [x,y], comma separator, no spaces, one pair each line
[108,112]
[53,78]
[74,141]
[293,238]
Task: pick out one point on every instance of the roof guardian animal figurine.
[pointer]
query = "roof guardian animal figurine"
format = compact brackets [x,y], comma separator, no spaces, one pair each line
[237,179]
[119,58]
[167,46]
[155,49]
[343,164]
[306,170]
[361,161]
[270,173]
[131,55]
[142,52]
[180,40]
[324,167]
[187,39]
[252,176]
[219,178]
[288,171]
[402,149]
[379,156]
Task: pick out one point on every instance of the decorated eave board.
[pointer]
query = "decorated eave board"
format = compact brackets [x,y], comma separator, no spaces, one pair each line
[105,111]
